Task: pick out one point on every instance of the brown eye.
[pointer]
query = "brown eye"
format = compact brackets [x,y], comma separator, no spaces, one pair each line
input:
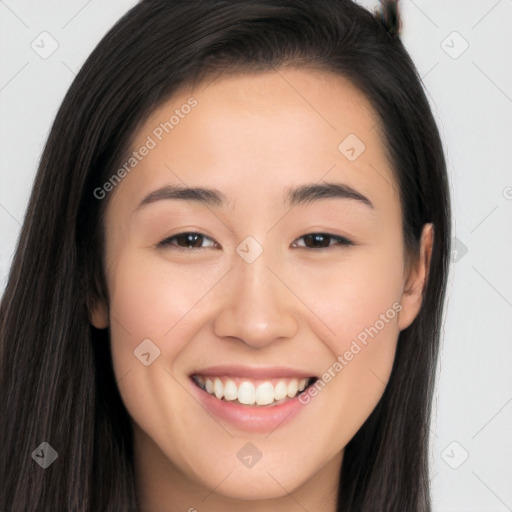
[184,241]
[322,240]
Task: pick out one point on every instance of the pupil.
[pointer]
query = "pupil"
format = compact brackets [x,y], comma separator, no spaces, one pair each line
[319,238]
[193,239]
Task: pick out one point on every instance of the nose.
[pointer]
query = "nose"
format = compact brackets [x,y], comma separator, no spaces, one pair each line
[259,307]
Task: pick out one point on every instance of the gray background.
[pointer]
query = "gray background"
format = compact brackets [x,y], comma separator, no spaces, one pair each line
[470,90]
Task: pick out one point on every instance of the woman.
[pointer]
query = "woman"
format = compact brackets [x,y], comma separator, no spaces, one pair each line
[179,331]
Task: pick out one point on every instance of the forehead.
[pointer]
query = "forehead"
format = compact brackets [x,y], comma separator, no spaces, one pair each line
[278,128]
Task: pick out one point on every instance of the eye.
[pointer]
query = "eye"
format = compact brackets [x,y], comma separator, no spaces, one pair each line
[322,240]
[190,240]
[185,241]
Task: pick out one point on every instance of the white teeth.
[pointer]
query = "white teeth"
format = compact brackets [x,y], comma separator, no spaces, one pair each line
[218,388]
[230,390]
[280,390]
[265,393]
[248,393]
[292,388]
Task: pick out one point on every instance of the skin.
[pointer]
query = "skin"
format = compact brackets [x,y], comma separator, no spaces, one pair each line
[251,137]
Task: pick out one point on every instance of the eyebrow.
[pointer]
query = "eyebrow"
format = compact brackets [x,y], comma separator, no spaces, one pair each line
[303,194]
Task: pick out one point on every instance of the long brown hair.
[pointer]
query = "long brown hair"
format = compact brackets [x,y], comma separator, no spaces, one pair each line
[57,383]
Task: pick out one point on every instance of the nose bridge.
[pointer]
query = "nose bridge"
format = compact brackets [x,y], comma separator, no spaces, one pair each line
[255,282]
[258,308]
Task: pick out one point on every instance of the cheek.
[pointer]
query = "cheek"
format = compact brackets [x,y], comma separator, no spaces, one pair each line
[359,291]
[149,297]
[359,302]
[152,299]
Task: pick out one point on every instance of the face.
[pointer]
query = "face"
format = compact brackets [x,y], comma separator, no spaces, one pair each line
[288,272]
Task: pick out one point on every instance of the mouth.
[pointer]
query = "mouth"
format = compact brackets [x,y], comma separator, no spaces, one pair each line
[250,392]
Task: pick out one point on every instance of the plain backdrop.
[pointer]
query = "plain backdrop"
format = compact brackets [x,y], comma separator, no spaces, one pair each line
[463,52]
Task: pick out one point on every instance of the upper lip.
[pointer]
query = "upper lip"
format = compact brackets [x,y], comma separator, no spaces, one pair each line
[252,372]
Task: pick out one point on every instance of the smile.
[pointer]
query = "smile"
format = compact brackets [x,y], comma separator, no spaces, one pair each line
[269,392]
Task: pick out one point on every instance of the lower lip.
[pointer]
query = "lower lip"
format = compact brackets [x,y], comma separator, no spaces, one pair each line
[246,417]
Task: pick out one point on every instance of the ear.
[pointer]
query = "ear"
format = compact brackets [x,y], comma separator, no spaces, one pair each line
[412,295]
[98,314]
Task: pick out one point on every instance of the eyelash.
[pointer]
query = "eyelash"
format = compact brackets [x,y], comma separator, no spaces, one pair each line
[166,242]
